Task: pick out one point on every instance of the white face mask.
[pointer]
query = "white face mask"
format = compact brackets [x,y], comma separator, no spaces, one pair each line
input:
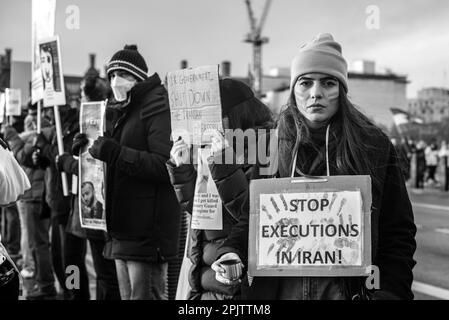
[120,87]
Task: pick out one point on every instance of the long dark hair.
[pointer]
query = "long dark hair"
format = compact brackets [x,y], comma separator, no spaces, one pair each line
[251,114]
[351,149]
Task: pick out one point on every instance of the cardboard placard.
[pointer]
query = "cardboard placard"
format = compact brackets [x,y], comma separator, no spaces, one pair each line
[13,100]
[310,227]
[195,105]
[52,76]
[42,26]
[91,171]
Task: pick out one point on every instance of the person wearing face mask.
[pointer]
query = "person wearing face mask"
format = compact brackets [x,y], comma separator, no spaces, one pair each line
[321,133]
[142,214]
[93,88]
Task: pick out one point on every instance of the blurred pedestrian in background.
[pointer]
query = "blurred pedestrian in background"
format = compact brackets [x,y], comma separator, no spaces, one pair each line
[431,154]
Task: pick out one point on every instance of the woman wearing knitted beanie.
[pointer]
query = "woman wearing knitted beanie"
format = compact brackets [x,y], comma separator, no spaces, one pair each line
[318,108]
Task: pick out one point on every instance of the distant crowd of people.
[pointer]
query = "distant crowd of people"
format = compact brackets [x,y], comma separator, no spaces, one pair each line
[427,157]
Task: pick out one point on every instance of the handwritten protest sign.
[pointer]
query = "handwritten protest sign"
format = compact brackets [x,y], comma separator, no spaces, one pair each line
[13,100]
[51,70]
[207,208]
[301,227]
[91,171]
[195,105]
[42,26]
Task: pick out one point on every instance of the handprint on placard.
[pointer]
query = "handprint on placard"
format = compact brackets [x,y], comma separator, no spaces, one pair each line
[342,203]
[334,196]
[275,205]
[284,201]
[264,209]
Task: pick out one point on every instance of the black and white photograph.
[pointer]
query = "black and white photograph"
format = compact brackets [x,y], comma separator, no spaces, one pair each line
[225,157]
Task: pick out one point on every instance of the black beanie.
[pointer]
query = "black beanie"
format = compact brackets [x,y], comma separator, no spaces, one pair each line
[129,60]
[233,93]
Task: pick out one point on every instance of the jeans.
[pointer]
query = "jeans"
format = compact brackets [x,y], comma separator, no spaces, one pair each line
[26,208]
[75,255]
[107,283]
[40,246]
[141,280]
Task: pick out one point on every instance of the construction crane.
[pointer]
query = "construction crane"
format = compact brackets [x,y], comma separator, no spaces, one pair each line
[255,37]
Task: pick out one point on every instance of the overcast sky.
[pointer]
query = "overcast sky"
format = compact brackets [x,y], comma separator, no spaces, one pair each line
[413,38]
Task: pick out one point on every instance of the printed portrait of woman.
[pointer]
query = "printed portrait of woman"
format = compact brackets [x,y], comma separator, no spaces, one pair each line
[50,67]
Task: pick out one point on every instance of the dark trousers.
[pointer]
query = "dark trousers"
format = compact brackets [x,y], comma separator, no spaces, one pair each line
[75,255]
[12,228]
[57,251]
[10,291]
[431,173]
[107,283]
[39,240]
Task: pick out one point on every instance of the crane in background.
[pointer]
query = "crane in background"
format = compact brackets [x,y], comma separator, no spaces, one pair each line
[255,37]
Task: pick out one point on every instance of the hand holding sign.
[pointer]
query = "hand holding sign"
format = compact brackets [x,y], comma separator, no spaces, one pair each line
[180,153]
[219,142]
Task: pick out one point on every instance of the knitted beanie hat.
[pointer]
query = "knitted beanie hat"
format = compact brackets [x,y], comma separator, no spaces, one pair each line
[130,60]
[321,55]
[233,93]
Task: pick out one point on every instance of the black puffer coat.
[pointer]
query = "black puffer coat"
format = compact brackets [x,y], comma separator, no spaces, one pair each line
[142,213]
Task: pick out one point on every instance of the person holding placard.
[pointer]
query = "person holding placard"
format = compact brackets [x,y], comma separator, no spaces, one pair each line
[241,110]
[142,214]
[58,205]
[93,88]
[321,133]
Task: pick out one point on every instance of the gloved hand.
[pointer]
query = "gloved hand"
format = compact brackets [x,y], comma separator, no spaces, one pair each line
[40,141]
[79,140]
[9,132]
[61,160]
[105,149]
[39,160]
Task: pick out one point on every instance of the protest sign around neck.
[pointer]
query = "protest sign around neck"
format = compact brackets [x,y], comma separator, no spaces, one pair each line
[309,227]
[13,101]
[42,26]
[51,72]
[195,106]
